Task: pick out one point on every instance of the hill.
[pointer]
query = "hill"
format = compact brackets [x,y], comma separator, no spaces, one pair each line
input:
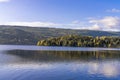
[31,35]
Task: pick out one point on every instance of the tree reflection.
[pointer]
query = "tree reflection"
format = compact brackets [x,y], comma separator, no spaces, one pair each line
[65,55]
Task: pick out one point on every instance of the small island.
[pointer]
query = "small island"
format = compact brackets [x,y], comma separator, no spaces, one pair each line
[82,41]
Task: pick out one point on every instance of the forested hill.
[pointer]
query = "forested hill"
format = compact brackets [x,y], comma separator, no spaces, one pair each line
[81,41]
[31,35]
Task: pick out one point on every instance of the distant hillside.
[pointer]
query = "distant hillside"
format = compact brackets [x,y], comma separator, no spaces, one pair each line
[31,35]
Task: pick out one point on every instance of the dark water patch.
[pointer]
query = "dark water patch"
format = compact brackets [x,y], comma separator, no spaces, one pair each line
[65,55]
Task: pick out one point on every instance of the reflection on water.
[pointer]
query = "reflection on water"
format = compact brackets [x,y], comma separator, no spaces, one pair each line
[55,56]
[59,65]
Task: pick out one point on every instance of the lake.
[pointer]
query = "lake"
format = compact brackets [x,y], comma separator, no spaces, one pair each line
[19,62]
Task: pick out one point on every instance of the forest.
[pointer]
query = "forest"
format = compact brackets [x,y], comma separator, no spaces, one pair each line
[81,41]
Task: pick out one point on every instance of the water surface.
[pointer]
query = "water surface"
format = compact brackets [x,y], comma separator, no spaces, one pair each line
[58,63]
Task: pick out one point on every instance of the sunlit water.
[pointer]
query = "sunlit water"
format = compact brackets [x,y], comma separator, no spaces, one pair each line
[58,63]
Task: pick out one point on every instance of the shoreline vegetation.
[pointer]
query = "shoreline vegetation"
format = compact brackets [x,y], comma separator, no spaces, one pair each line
[82,41]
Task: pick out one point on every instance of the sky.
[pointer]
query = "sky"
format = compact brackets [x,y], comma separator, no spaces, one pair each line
[70,14]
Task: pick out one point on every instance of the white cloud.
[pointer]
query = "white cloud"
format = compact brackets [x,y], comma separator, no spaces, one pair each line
[32,24]
[4,1]
[72,25]
[95,27]
[114,10]
[106,23]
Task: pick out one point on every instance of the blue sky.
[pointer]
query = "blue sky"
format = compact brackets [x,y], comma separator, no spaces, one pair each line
[74,14]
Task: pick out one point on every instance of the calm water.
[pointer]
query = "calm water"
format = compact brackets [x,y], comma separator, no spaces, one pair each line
[58,63]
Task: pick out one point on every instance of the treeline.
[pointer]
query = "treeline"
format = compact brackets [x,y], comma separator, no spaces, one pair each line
[81,41]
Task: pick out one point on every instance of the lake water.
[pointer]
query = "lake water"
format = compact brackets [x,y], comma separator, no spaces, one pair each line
[58,63]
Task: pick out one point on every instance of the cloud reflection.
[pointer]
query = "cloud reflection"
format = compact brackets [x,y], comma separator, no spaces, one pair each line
[107,69]
[30,66]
